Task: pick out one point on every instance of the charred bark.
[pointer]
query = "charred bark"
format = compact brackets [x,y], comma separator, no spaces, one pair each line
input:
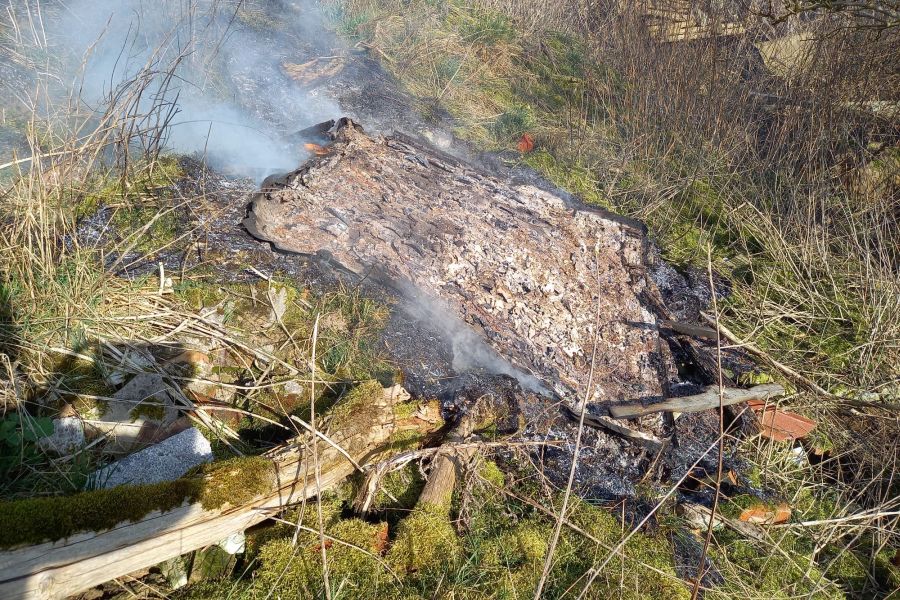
[524,268]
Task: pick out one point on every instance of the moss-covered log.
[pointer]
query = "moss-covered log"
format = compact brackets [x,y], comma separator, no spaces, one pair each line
[221,505]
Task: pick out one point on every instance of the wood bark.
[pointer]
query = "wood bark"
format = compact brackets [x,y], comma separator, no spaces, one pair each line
[62,568]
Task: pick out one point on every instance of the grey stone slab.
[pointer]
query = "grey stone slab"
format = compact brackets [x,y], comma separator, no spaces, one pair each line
[67,436]
[165,461]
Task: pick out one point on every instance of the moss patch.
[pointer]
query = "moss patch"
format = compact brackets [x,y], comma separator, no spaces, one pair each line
[162,232]
[37,520]
[236,481]
[144,180]
[778,575]
[399,492]
[296,571]
[425,541]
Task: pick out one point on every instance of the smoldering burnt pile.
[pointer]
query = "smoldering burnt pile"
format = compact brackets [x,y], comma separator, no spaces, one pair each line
[557,291]
[553,288]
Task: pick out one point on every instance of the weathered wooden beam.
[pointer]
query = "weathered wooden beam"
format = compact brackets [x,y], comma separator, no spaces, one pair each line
[62,568]
[706,400]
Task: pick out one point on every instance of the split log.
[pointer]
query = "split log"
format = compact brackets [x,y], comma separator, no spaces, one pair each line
[58,569]
[706,400]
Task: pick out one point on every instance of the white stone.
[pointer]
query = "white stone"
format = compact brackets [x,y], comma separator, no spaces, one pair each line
[278,300]
[234,543]
[67,436]
[165,461]
[175,571]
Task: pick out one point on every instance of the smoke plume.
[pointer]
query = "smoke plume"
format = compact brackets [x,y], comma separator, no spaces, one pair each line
[215,72]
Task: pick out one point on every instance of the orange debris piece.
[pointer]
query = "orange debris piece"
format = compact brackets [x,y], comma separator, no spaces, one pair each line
[760,514]
[381,539]
[526,143]
[781,425]
[316,149]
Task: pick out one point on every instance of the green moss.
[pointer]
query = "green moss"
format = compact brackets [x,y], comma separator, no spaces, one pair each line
[143,180]
[517,119]
[149,410]
[754,476]
[819,440]
[236,481]
[405,410]
[425,541]
[83,378]
[642,549]
[404,486]
[490,472]
[811,506]
[199,294]
[514,559]
[769,573]
[357,403]
[212,590]
[162,232]
[860,570]
[296,571]
[37,520]
[350,350]
[754,378]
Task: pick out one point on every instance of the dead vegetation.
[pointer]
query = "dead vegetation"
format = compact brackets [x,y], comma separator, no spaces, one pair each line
[791,187]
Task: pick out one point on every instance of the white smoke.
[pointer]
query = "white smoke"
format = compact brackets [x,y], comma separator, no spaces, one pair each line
[234,103]
[470,351]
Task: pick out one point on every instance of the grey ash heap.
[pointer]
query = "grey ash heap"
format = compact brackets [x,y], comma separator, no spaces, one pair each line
[556,291]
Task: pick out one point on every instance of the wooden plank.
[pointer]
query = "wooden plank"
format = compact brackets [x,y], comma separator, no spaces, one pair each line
[706,400]
[59,569]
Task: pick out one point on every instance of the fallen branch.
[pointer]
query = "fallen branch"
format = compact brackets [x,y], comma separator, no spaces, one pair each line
[708,399]
[65,567]
[795,376]
[646,440]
